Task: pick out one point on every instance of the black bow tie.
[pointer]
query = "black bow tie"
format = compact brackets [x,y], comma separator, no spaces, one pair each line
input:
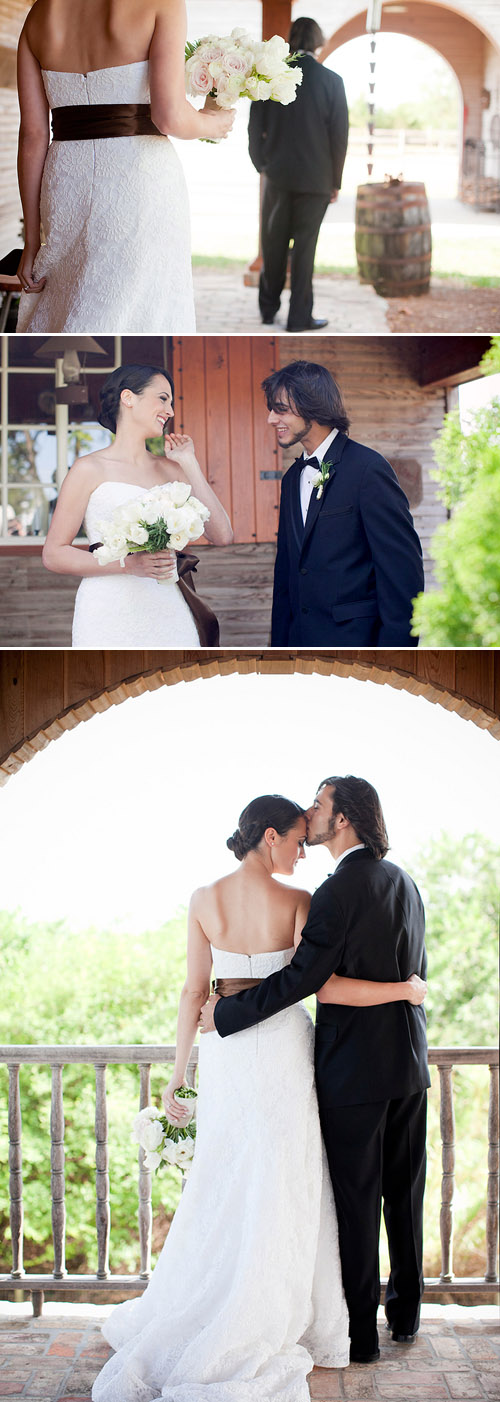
[310,462]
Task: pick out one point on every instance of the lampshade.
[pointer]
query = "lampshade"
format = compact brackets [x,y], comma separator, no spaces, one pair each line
[59,345]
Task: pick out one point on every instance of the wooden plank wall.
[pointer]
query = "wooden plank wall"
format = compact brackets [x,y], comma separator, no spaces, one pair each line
[389,410]
[38,690]
[220,403]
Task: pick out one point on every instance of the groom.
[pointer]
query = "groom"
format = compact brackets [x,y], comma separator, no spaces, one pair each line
[349,561]
[366,921]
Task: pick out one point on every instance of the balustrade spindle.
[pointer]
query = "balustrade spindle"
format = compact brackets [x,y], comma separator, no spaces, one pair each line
[447,1121]
[57,1185]
[15,1172]
[492,1193]
[102,1212]
[145,1209]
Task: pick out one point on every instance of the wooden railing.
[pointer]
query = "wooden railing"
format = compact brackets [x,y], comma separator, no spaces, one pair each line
[444,1058]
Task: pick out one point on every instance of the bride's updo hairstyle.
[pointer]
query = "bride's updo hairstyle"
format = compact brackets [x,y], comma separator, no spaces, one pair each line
[134,377]
[269,811]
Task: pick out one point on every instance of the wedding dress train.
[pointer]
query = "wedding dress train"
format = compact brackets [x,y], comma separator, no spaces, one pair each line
[123,610]
[247,1293]
[115,216]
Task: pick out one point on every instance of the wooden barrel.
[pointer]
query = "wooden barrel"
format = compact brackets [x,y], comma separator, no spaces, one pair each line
[393,238]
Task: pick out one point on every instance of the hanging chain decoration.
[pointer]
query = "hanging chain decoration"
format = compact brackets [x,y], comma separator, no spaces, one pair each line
[373,21]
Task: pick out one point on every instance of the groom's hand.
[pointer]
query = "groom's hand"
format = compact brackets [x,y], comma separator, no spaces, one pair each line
[206,1023]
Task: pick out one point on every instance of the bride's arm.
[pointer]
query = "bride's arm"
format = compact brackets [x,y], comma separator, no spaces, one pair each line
[62,557]
[170,110]
[362,993]
[32,150]
[179,449]
[194,994]
[359,992]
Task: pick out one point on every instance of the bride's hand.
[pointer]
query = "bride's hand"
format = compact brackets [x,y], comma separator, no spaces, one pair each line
[179,447]
[221,121]
[174,1111]
[417,990]
[161,565]
[25,272]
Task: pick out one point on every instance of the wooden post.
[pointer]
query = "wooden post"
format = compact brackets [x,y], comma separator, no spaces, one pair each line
[102,1213]
[16,1172]
[145,1209]
[492,1194]
[276,19]
[447,1122]
[57,1173]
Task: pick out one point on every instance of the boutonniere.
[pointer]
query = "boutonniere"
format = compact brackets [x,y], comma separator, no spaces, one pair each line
[321,477]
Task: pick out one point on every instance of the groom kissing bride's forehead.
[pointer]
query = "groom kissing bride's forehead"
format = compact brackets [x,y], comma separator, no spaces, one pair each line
[349,561]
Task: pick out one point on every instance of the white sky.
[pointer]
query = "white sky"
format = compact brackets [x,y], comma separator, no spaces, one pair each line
[116,822]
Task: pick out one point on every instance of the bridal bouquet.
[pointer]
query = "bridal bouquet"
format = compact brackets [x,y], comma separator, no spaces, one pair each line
[165,518]
[239,66]
[163,1142]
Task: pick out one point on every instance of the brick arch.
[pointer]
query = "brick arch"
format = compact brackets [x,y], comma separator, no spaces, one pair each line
[458,38]
[44,694]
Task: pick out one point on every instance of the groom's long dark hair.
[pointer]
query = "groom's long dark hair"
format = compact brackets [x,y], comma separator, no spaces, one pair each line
[360,803]
[309,390]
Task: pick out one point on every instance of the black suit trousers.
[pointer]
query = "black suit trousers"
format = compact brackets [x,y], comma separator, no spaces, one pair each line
[377,1151]
[287,215]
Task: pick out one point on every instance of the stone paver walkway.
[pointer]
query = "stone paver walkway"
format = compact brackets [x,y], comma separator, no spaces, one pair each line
[456,1356]
[225,305]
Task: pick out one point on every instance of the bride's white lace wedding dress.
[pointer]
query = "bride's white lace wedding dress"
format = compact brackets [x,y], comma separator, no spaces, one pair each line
[247,1292]
[123,610]
[115,217]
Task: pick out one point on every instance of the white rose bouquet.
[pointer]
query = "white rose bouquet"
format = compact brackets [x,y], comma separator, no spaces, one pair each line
[239,66]
[163,1142]
[166,517]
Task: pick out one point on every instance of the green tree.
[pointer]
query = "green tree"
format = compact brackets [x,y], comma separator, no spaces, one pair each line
[465,610]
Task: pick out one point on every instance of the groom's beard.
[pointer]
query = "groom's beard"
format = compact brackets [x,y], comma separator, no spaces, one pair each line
[321,837]
[298,437]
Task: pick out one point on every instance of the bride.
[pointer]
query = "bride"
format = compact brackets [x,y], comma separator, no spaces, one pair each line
[109,190]
[132,606]
[247,1294]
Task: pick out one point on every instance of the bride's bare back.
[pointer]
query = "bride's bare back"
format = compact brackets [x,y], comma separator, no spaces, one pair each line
[88,35]
[250,912]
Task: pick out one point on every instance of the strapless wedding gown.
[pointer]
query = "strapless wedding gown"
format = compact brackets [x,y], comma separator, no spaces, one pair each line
[123,610]
[115,216]
[247,1294]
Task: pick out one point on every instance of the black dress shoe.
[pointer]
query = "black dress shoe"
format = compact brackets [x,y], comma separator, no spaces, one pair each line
[400,1338]
[355,1356]
[316,323]
[267,320]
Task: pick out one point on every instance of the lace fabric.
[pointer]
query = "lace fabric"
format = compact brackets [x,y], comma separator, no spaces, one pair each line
[115,216]
[247,1293]
[122,610]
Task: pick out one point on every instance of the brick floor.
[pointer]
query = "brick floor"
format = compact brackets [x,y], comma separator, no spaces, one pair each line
[225,306]
[456,1356]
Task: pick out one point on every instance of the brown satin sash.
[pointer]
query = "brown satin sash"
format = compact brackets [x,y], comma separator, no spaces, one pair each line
[227,986]
[103,120]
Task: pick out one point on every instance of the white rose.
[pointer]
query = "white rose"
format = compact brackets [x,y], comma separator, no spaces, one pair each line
[169,1151]
[257,89]
[104,555]
[151,511]
[178,540]
[179,492]
[130,511]
[198,77]
[283,89]
[144,1117]
[152,1160]
[200,509]
[138,535]
[195,528]
[178,518]
[185,1150]
[151,1135]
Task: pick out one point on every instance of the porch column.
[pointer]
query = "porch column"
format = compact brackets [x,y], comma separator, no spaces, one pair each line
[276,19]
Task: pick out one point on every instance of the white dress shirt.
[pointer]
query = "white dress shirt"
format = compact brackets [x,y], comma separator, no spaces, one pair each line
[308,473]
[359,846]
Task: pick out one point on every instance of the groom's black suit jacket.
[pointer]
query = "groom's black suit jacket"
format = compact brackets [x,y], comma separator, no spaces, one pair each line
[366,921]
[348,576]
[302,146]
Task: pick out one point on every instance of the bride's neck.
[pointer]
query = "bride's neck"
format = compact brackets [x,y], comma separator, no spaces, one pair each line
[129,446]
